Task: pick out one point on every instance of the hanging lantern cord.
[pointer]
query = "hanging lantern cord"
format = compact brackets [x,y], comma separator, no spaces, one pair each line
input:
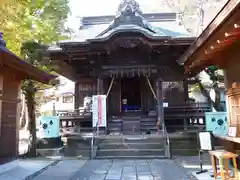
[150,86]
[110,87]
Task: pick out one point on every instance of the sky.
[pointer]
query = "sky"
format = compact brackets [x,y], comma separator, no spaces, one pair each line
[83,8]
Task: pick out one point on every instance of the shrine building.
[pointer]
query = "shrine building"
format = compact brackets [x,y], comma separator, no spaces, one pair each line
[134,62]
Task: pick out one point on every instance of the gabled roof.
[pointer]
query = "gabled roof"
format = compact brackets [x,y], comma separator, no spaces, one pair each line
[130,19]
[150,17]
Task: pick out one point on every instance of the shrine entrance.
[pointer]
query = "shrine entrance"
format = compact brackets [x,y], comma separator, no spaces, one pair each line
[130,95]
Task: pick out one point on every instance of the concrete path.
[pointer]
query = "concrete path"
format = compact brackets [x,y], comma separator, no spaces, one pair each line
[21,169]
[191,165]
[62,171]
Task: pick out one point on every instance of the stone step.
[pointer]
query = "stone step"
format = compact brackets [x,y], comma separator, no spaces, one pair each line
[114,129]
[128,132]
[148,127]
[184,145]
[131,157]
[153,123]
[130,152]
[72,152]
[102,146]
[133,117]
[184,152]
[131,140]
[50,152]
[144,152]
[114,124]
[145,145]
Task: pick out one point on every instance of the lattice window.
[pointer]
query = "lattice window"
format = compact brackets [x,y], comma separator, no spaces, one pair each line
[234,111]
[67,99]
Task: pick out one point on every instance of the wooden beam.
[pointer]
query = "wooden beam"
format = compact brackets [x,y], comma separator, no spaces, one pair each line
[185,88]
[66,70]
[223,16]
[100,85]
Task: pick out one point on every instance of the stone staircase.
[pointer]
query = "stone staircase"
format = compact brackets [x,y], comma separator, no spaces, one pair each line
[148,124]
[145,146]
[184,144]
[132,125]
[131,147]
[77,146]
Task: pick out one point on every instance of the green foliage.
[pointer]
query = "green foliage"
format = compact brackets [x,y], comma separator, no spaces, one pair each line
[33,54]
[212,68]
[27,25]
[27,20]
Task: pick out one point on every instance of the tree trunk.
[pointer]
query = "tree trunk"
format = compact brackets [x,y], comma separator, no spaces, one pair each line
[215,78]
[23,109]
[26,126]
[30,93]
[216,104]
[218,98]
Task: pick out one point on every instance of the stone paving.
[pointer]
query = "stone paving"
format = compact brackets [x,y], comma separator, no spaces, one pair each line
[21,169]
[62,171]
[73,169]
[131,170]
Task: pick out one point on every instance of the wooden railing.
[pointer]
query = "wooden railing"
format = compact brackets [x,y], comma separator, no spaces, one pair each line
[192,113]
[74,113]
[186,108]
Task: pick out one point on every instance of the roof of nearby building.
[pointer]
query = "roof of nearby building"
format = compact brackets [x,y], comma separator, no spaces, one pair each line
[221,33]
[11,60]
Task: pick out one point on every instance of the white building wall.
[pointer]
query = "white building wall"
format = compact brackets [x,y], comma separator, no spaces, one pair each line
[66,87]
[59,105]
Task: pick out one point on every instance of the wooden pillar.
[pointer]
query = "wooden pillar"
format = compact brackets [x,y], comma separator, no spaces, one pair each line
[185,87]
[185,124]
[99,85]
[76,106]
[76,96]
[1,94]
[9,117]
[160,110]
[1,88]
